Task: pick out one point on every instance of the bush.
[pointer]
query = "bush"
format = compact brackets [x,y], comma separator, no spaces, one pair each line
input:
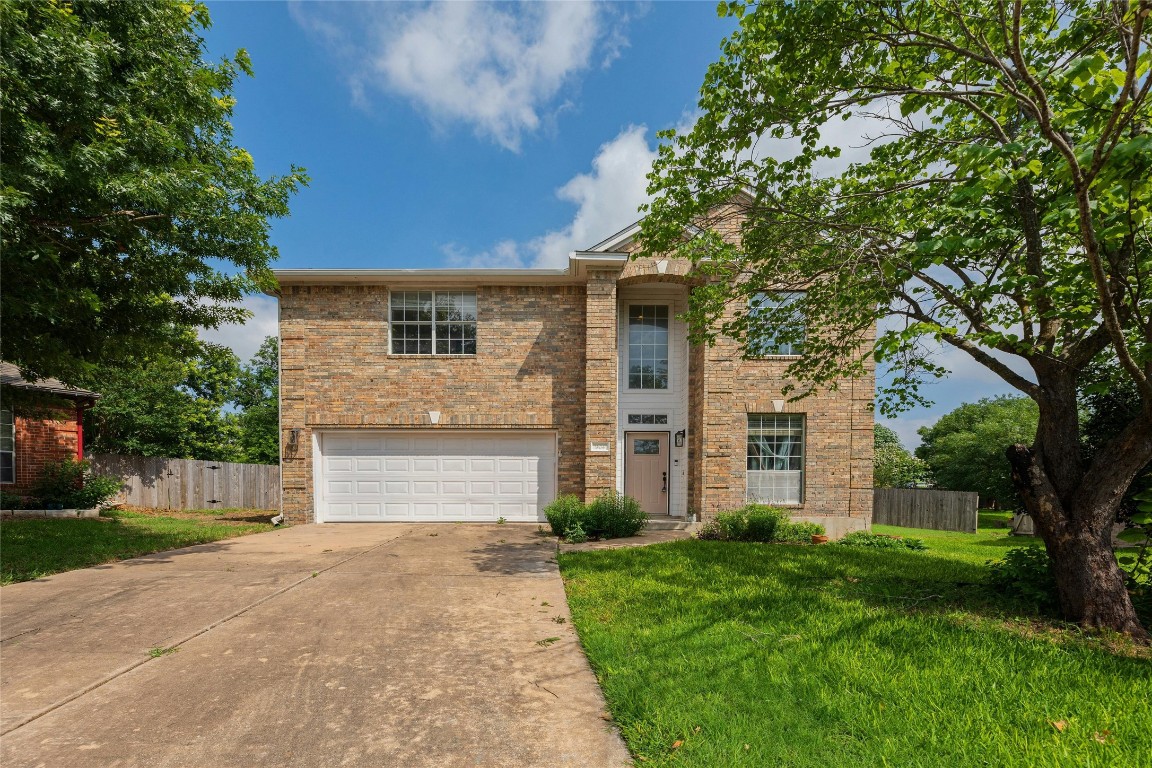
[70,484]
[615,516]
[788,532]
[575,534]
[764,522]
[565,512]
[758,522]
[1025,573]
[880,541]
[733,526]
[11,500]
[710,531]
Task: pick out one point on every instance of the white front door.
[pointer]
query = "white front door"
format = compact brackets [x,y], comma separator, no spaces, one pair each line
[449,475]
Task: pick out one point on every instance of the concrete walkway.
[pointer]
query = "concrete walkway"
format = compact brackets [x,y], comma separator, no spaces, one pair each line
[330,645]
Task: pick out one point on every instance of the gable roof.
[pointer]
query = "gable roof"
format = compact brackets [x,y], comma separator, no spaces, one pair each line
[10,377]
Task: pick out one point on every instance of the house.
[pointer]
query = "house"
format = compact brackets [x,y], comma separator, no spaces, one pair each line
[475,395]
[40,421]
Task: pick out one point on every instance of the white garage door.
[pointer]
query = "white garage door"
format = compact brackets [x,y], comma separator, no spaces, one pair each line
[442,475]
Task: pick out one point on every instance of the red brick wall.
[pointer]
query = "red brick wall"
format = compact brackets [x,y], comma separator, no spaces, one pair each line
[39,441]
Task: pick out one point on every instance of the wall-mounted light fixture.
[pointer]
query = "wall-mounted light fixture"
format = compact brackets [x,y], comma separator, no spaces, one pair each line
[293,436]
[680,439]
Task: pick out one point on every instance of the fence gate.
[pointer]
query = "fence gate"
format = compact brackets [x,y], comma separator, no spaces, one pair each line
[151,481]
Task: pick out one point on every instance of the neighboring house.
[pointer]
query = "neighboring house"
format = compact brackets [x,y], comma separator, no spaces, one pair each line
[471,395]
[40,421]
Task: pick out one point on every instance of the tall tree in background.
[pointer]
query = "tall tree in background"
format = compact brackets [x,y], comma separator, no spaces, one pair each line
[1004,214]
[162,405]
[893,465]
[120,186]
[203,406]
[258,400]
[965,448]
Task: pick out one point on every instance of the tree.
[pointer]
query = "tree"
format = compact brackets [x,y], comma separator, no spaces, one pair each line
[257,397]
[165,406]
[965,448]
[893,466]
[1002,212]
[126,208]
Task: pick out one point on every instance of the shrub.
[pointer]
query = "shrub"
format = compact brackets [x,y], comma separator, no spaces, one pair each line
[565,512]
[758,522]
[70,484]
[575,534]
[1025,573]
[788,532]
[615,516]
[11,500]
[880,541]
[763,522]
[733,525]
[710,531]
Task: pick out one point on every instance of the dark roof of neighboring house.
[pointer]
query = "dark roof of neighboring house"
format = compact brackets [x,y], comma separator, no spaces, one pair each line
[10,376]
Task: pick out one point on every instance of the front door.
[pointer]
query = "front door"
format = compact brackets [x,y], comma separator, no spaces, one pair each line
[646,470]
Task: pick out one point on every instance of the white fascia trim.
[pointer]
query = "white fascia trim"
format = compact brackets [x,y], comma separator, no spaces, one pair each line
[579,262]
[623,237]
[423,276]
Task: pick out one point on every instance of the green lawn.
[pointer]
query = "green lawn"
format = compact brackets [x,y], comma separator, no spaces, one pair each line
[773,655]
[32,548]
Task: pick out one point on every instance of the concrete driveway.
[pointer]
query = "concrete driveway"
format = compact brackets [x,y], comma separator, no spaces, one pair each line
[320,645]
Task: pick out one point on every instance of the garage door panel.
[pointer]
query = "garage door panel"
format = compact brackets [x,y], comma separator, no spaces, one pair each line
[435,476]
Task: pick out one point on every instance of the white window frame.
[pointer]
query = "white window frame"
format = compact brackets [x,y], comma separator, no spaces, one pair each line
[434,323]
[768,346]
[628,347]
[8,433]
[764,485]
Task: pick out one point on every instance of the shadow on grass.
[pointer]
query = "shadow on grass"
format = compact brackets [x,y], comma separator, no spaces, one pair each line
[32,549]
[759,578]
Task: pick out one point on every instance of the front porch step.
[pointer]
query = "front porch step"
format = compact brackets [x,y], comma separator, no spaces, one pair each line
[669,523]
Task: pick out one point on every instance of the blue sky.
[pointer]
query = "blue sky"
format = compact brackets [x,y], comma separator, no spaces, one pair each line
[461,134]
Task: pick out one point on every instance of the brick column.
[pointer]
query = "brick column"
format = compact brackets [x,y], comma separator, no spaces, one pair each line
[600,383]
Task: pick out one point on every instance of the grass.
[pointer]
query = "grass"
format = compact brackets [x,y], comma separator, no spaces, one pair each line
[33,548]
[754,654]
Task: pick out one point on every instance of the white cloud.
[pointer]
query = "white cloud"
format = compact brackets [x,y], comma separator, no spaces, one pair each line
[606,200]
[497,67]
[246,338]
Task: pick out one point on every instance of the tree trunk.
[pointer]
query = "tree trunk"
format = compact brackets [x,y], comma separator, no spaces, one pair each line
[1077,533]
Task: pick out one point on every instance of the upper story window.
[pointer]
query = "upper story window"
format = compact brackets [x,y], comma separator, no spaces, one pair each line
[648,346]
[778,304]
[7,447]
[433,322]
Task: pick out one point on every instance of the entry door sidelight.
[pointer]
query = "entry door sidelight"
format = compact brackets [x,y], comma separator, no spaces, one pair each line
[646,470]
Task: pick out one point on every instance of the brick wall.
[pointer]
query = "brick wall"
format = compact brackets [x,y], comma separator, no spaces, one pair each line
[601,391]
[838,434]
[40,440]
[336,371]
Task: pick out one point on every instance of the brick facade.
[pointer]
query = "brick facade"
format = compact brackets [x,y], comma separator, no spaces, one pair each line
[40,439]
[547,358]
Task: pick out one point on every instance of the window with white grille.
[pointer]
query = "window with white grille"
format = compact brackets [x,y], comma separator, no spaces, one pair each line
[776,458]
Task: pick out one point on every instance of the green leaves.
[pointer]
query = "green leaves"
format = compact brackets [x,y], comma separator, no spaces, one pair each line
[126,207]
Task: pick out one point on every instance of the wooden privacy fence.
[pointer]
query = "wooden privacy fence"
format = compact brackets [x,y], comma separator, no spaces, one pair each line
[191,484]
[916,508]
